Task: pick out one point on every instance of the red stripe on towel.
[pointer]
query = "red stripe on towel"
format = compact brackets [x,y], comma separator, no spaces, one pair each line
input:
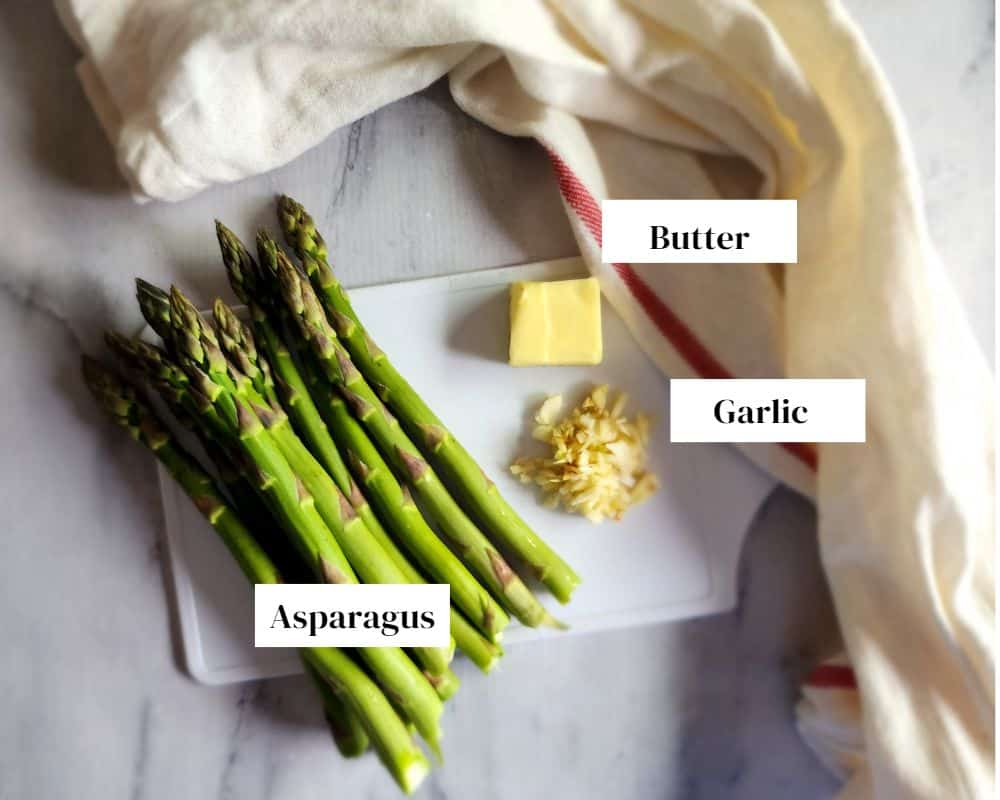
[673,328]
[831,676]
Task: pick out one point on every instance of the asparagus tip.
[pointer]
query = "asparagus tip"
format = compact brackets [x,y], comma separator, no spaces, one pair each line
[266,242]
[147,287]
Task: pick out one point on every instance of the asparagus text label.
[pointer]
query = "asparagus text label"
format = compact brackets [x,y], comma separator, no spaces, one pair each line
[351,615]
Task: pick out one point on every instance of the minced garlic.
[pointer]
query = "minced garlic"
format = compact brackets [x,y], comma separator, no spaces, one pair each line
[597,467]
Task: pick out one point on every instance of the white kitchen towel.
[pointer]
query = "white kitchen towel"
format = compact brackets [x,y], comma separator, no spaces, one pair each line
[671,99]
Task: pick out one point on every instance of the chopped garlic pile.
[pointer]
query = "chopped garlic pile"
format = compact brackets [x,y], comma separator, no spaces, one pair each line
[598,463]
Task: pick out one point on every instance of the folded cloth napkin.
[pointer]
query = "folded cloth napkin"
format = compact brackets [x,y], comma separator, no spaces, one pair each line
[671,99]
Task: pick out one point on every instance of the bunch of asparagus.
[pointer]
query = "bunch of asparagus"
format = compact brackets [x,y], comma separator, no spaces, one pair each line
[320,462]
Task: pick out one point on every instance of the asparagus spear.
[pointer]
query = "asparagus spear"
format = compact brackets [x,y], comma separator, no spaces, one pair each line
[481,557]
[155,306]
[277,481]
[150,359]
[197,344]
[363,699]
[391,500]
[158,369]
[479,649]
[388,733]
[121,402]
[154,367]
[354,537]
[238,344]
[292,392]
[475,491]
[228,415]
[395,504]
[146,359]
[240,347]
[346,729]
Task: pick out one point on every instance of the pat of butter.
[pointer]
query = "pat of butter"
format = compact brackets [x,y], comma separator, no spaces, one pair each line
[555,322]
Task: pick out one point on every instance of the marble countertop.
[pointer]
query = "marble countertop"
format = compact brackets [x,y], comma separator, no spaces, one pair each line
[94,702]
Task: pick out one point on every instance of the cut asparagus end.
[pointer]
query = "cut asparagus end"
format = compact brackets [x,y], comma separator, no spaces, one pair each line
[445,684]
[411,774]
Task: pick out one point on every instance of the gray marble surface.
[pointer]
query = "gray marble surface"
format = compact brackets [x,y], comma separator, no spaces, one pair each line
[93,702]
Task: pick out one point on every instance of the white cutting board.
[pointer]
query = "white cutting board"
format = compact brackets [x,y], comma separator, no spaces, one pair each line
[674,556]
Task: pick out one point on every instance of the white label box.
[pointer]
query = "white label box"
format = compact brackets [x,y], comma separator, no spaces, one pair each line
[352,615]
[699,231]
[758,410]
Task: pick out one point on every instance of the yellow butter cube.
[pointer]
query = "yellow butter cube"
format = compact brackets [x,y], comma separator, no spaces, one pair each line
[555,322]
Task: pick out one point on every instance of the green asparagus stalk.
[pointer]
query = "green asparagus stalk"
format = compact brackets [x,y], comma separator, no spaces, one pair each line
[388,733]
[146,358]
[321,502]
[347,732]
[244,278]
[483,652]
[292,392]
[361,548]
[219,387]
[120,401]
[475,491]
[346,729]
[477,552]
[228,415]
[321,553]
[154,366]
[287,493]
[393,500]
[365,702]
[393,503]
[157,368]
[238,345]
